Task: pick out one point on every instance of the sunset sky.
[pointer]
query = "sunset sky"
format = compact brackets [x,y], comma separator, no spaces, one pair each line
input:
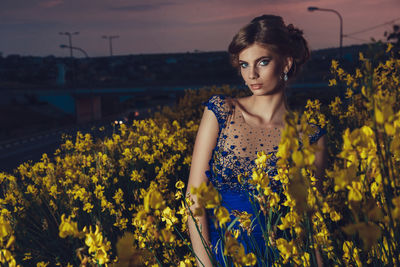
[31,27]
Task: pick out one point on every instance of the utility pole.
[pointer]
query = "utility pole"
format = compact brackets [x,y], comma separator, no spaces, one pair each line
[313,8]
[69,34]
[110,38]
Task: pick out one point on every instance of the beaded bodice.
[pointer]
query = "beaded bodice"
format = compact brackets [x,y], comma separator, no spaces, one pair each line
[238,144]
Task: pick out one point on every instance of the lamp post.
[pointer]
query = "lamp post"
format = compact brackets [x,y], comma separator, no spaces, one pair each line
[110,38]
[313,8]
[69,34]
[75,48]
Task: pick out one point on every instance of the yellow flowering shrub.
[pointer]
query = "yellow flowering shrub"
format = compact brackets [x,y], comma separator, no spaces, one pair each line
[124,183]
[96,197]
[349,217]
[353,219]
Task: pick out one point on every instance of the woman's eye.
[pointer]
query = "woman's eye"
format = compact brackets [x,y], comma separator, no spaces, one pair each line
[243,65]
[264,62]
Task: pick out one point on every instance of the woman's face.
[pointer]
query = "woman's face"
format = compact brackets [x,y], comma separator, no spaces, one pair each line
[262,69]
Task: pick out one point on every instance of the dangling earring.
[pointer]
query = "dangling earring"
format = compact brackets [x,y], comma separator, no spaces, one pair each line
[285,76]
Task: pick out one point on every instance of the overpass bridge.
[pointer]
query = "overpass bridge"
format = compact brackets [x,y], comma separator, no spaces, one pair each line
[89,104]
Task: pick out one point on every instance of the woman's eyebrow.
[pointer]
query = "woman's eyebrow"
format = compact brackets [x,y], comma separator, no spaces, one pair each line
[258,59]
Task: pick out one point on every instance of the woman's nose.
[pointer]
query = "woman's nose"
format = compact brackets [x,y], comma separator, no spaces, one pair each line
[253,73]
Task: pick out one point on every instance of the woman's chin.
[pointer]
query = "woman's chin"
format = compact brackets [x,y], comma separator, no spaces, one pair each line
[261,92]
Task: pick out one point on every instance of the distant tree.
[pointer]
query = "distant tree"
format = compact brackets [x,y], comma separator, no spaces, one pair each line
[395,35]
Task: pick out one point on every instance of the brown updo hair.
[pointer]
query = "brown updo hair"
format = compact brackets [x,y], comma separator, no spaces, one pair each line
[271,31]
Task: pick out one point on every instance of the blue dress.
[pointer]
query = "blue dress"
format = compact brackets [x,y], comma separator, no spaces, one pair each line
[234,155]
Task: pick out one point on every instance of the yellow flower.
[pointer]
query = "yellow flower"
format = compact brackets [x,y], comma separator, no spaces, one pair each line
[274,199]
[355,191]
[334,64]
[137,176]
[88,207]
[368,232]
[259,178]
[297,157]
[343,177]
[68,227]
[153,200]
[10,241]
[31,190]
[6,258]
[93,239]
[168,215]
[249,259]
[389,47]
[358,73]
[350,252]
[180,184]
[27,256]
[290,220]
[119,196]
[185,263]
[335,216]
[262,159]
[207,195]
[379,116]
[244,220]
[361,56]
[332,82]
[222,215]
[125,249]
[287,249]
[167,236]
[396,210]
[335,106]
[101,256]
[349,93]
[236,250]
[305,258]
[5,228]
[42,264]
[178,195]
[232,246]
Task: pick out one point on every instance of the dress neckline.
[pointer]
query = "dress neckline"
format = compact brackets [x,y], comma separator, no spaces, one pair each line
[236,106]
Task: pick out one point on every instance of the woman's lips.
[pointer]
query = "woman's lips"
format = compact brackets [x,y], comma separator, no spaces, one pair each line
[256,86]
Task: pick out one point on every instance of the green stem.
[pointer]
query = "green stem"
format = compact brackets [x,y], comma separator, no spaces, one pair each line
[311,239]
[189,246]
[203,241]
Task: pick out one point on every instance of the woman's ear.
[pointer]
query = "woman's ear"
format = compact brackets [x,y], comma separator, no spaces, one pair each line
[287,64]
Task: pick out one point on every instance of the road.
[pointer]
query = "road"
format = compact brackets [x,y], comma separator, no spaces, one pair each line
[16,152]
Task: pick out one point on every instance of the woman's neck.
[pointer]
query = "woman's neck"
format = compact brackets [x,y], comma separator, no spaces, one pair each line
[270,108]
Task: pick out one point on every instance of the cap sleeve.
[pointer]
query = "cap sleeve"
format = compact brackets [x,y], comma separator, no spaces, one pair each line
[219,106]
[317,134]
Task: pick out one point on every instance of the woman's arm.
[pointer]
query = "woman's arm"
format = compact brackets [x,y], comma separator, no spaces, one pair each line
[205,142]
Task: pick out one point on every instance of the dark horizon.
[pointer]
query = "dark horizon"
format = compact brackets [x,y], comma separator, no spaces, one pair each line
[80,56]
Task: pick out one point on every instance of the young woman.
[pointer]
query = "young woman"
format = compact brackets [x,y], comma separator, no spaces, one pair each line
[267,54]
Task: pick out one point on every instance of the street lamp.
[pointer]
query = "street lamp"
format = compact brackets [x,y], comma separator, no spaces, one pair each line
[313,8]
[69,34]
[110,38]
[76,48]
